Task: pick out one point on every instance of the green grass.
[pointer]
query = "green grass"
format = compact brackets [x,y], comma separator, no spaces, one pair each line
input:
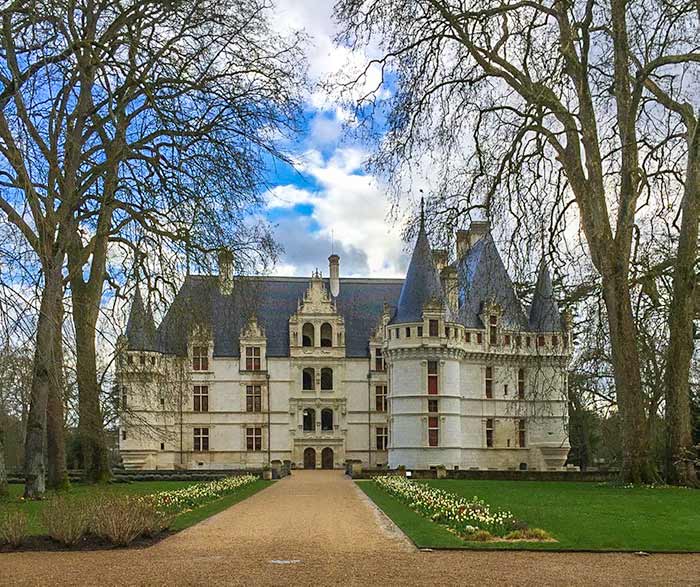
[580,516]
[182,521]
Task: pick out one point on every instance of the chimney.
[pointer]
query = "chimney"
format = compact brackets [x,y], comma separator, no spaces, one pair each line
[462,243]
[450,286]
[225,271]
[440,259]
[334,271]
[477,229]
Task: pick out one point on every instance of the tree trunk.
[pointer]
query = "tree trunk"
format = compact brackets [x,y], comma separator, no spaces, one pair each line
[680,467]
[4,491]
[48,328]
[93,445]
[55,442]
[637,465]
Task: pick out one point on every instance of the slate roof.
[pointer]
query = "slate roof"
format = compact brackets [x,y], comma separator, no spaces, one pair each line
[140,327]
[483,277]
[422,283]
[544,312]
[273,300]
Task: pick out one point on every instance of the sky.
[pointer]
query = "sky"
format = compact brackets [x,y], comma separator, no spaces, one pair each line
[327,202]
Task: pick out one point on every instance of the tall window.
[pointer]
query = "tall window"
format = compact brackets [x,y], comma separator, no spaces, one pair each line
[200,358]
[382,437]
[252,358]
[432,328]
[489,432]
[308,379]
[488,382]
[253,398]
[201,398]
[123,434]
[479,337]
[493,329]
[540,340]
[326,419]
[433,431]
[432,377]
[326,378]
[521,383]
[326,334]
[253,438]
[408,332]
[521,433]
[201,439]
[555,341]
[420,331]
[309,420]
[308,335]
[380,398]
[379,360]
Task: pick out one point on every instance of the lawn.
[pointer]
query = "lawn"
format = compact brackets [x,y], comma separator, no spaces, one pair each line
[580,516]
[182,521]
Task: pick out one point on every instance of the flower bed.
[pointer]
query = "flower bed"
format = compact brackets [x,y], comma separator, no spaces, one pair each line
[180,500]
[471,519]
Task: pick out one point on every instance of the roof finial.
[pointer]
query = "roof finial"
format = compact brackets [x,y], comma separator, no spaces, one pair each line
[422,210]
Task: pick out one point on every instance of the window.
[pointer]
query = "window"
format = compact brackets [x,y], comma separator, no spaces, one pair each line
[201,398]
[380,398]
[308,335]
[521,383]
[527,341]
[130,360]
[540,340]
[518,341]
[124,398]
[505,389]
[142,360]
[398,333]
[382,437]
[162,446]
[326,335]
[200,358]
[201,439]
[432,328]
[488,382]
[479,337]
[253,398]
[506,339]
[432,377]
[326,378]
[489,432]
[308,379]
[408,332]
[309,420]
[447,331]
[123,434]
[252,358]
[326,419]
[420,331]
[253,438]
[555,341]
[493,329]
[162,402]
[433,431]
[468,336]
[521,433]
[379,360]
[433,406]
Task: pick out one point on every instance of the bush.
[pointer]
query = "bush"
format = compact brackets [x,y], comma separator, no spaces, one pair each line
[480,536]
[122,519]
[529,534]
[66,520]
[13,528]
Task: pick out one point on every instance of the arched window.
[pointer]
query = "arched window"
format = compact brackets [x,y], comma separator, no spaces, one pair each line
[326,419]
[309,420]
[308,335]
[326,378]
[326,334]
[308,379]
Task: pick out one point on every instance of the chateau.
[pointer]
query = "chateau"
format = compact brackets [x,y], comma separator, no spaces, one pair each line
[443,368]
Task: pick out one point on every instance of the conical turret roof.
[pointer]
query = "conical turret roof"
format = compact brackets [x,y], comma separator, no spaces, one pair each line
[422,283]
[544,312]
[140,327]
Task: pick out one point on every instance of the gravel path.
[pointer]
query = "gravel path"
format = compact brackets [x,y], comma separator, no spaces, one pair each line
[316,528]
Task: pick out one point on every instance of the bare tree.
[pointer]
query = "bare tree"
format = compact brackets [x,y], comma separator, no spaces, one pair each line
[546,102]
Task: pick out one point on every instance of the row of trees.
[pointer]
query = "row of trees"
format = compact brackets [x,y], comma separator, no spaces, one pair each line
[133,134]
[559,117]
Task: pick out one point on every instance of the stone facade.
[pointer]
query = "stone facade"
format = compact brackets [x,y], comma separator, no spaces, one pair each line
[348,373]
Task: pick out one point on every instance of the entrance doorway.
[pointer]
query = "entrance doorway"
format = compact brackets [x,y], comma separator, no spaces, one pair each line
[309,458]
[327,458]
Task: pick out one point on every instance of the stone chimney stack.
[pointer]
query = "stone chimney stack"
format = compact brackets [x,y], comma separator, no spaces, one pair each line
[225,271]
[450,285]
[334,272]
[462,243]
[440,259]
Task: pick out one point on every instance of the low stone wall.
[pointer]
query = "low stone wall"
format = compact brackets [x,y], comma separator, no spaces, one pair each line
[592,476]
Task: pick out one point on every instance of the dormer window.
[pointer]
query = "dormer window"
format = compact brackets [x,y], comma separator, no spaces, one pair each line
[379,360]
[493,329]
[200,358]
[252,358]
[326,335]
[433,328]
[307,335]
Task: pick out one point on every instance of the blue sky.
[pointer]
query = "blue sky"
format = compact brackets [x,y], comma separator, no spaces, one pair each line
[327,201]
